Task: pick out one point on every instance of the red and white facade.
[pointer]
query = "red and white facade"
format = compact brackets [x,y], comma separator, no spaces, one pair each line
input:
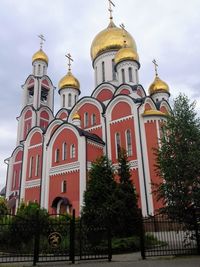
[54,153]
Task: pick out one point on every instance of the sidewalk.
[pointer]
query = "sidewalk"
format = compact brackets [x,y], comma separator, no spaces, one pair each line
[124,260]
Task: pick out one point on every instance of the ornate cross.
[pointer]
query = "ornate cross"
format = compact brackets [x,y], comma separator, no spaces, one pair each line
[110,8]
[42,40]
[156,67]
[69,60]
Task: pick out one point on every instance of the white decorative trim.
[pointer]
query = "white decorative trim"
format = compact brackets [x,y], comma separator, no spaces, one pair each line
[34,146]
[132,163]
[17,162]
[122,119]
[95,144]
[94,127]
[33,183]
[66,168]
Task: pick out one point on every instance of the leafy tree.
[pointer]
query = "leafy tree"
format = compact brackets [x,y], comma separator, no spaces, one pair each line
[125,206]
[178,160]
[3,206]
[98,197]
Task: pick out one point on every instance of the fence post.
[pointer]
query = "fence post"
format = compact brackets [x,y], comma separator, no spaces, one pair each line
[197,229]
[36,240]
[72,238]
[142,235]
[109,244]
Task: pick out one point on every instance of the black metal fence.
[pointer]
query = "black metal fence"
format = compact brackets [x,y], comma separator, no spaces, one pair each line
[170,235]
[56,239]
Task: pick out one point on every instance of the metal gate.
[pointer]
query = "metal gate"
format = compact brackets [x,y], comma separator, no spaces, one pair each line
[165,236]
[55,238]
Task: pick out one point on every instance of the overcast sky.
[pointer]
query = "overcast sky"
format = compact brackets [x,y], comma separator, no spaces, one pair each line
[165,30]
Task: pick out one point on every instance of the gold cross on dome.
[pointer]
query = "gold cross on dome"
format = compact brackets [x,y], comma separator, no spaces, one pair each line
[42,40]
[110,8]
[156,67]
[69,61]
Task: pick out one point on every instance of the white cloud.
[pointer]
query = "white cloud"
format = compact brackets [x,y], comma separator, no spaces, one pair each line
[165,30]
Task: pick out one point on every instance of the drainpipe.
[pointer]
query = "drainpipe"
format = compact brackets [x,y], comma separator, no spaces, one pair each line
[142,158]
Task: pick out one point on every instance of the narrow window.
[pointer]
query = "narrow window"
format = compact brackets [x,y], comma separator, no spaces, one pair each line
[96,75]
[69,100]
[75,99]
[86,119]
[30,167]
[14,179]
[43,70]
[72,151]
[117,142]
[113,70]
[136,72]
[63,101]
[130,74]
[103,71]
[34,69]
[37,165]
[123,76]
[93,119]
[128,143]
[64,186]
[39,69]
[64,151]
[57,154]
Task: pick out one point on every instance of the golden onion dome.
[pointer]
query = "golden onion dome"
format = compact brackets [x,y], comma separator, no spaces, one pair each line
[126,53]
[40,55]
[111,38]
[158,86]
[153,112]
[69,81]
[76,116]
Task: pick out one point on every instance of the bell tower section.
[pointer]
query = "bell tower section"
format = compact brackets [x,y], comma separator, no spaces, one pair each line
[37,96]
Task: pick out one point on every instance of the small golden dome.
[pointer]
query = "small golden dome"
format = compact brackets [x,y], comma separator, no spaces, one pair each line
[126,53]
[40,55]
[69,81]
[110,38]
[158,86]
[76,116]
[153,112]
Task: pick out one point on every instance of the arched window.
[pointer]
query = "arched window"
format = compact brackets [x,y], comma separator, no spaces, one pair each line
[37,165]
[130,74]
[64,151]
[64,186]
[86,119]
[96,75]
[30,167]
[14,179]
[113,70]
[72,151]
[69,100]
[39,69]
[34,68]
[57,155]
[123,76]
[136,72]
[63,101]
[93,119]
[103,71]
[117,144]
[128,143]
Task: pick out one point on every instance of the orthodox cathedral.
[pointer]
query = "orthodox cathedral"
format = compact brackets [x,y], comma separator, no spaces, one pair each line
[54,152]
